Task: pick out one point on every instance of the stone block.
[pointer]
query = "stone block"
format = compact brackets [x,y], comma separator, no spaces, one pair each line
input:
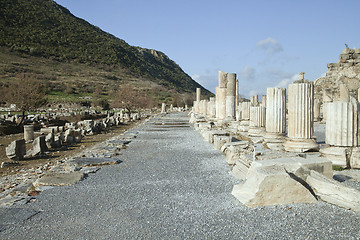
[16,150]
[329,190]
[220,140]
[266,186]
[280,181]
[39,147]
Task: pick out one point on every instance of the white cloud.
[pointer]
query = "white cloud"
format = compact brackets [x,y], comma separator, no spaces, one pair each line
[286,81]
[270,46]
[248,73]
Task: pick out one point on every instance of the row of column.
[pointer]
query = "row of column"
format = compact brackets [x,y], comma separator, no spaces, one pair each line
[269,118]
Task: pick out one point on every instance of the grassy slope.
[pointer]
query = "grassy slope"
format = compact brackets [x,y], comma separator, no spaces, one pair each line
[44,29]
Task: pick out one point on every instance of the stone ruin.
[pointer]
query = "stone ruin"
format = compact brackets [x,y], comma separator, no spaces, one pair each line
[271,146]
[345,72]
[57,137]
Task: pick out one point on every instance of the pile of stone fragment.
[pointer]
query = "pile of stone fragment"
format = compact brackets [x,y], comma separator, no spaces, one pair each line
[23,187]
[58,137]
[271,146]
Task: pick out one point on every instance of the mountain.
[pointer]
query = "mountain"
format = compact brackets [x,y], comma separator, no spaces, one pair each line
[44,29]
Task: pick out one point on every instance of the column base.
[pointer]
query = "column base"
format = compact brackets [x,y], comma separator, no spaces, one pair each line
[256,131]
[301,145]
[275,141]
[244,126]
[347,157]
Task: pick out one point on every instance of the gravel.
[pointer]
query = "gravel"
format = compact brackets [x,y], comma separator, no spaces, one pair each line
[171,185]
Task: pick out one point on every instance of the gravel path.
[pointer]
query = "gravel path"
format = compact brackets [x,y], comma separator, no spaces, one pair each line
[171,185]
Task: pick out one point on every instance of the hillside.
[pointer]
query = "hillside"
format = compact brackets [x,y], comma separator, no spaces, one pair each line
[45,30]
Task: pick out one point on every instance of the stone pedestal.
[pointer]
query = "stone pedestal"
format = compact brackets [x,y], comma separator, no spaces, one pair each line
[276,118]
[230,96]
[29,133]
[257,121]
[342,133]
[301,118]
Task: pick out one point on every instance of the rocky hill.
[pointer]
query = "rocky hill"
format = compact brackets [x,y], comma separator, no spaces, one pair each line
[346,71]
[42,28]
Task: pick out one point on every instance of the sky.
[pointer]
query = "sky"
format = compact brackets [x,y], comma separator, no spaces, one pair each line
[267,43]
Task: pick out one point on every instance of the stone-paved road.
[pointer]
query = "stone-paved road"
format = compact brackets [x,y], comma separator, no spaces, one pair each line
[170,185]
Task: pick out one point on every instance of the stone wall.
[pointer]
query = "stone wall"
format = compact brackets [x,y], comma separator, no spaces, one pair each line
[345,71]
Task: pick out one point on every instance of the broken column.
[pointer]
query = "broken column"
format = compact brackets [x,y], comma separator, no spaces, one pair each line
[342,133]
[276,118]
[29,133]
[230,96]
[257,121]
[254,100]
[245,116]
[301,118]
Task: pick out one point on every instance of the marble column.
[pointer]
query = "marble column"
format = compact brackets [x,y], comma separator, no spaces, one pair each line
[254,100]
[237,93]
[221,103]
[276,118]
[257,121]
[163,108]
[245,116]
[230,96]
[263,101]
[212,108]
[221,96]
[198,97]
[29,133]
[325,99]
[342,132]
[301,118]
[316,110]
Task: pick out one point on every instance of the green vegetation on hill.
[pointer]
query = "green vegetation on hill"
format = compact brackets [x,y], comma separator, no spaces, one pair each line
[42,28]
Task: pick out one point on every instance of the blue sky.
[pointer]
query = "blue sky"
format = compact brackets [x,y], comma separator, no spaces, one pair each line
[266,42]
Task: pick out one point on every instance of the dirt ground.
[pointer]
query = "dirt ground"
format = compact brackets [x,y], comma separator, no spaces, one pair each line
[54,154]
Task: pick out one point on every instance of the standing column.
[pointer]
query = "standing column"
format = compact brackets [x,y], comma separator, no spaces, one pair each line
[221,96]
[230,96]
[237,93]
[257,121]
[301,118]
[245,116]
[163,108]
[198,97]
[276,118]
[212,108]
[316,110]
[254,100]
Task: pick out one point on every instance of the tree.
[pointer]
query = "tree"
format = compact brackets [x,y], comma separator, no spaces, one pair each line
[128,97]
[28,93]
